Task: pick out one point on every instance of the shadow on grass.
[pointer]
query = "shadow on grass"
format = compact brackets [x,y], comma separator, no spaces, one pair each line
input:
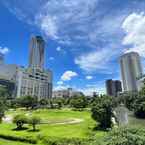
[98,128]
[20,129]
[37,130]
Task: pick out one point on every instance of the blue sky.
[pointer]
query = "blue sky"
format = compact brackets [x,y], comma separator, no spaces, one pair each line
[84,38]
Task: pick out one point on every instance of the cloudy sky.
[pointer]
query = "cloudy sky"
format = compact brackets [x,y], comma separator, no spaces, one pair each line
[84,38]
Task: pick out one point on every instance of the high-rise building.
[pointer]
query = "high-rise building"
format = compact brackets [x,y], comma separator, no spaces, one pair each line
[118,86]
[113,87]
[1,58]
[36,57]
[131,70]
[34,81]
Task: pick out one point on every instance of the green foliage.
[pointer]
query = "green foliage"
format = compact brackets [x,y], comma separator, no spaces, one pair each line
[43,102]
[64,141]
[3,102]
[34,120]
[27,101]
[102,112]
[135,101]
[20,120]
[126,136]
[20,138]
[78,102]
[139,107]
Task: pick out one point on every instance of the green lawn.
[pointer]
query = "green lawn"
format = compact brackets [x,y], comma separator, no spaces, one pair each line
[6,142]
[82,130]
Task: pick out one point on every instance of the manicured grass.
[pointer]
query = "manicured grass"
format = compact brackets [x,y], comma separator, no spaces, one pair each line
[6,142]
[82,130]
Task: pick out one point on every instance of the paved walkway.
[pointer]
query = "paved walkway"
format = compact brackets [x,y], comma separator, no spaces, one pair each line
[9,118]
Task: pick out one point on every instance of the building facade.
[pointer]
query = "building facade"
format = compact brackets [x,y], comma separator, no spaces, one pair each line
[1,58]
[35,83]
[10,87]
[66,93]
[113,87]
[131,70]
[36,56]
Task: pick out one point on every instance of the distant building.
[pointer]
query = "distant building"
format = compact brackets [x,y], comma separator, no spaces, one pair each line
[118,86]
[66,93]
[113,87]
[36,56]
[8,71]
[1,58]
[131,70]
[8,75]
[33,81]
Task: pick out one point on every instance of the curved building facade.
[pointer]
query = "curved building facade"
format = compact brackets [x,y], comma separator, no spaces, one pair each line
[131,70]
[36,58]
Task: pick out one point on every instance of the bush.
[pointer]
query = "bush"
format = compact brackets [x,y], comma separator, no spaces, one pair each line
[78,102]
[15,138]
[34,120]
[102,112]
[64,141]
[20,120]
[28,102]
[126,136]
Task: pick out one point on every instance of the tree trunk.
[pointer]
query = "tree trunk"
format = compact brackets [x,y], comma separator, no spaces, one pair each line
[34,127]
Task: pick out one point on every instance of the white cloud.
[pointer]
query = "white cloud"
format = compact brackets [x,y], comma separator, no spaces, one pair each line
[89,77]
[90,88]
[60,83]
[51,58]
[68,75]
[134,27]
[58,48]
[61,87]
[47,25]
[4,50]
[96,60]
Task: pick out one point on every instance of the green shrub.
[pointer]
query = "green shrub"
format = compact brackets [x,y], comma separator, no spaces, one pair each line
[126,136]
[21,139]
[34,120]
[78,102]
[20,120]
[64,141]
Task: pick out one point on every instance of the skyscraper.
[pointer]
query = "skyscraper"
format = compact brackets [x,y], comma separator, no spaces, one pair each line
[131,70]
[113,87]
[1,58]
[36,57]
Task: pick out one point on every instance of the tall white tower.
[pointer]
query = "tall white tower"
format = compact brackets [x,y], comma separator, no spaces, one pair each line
[36,57]
[131,70]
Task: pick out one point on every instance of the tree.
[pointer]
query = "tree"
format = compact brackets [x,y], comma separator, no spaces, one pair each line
[102,112]
[3,102]
[43,102]
[20,120]
[139,104]
[78,102]
[34,120]
[139,107]
[28,102]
